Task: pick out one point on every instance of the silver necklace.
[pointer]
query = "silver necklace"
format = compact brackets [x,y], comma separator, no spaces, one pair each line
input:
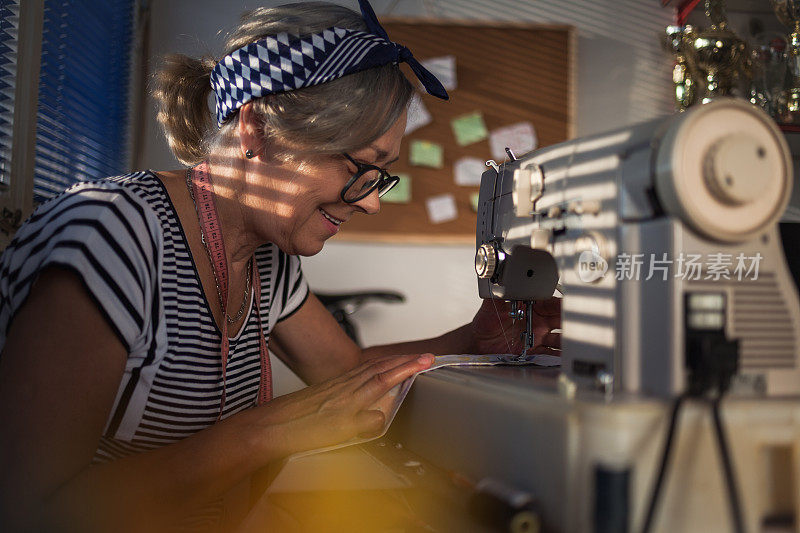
[229,318]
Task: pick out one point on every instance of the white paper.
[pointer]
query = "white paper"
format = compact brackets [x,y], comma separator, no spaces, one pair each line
[520,138]
[418,115]
[468,170]
[444,68]
[441,208]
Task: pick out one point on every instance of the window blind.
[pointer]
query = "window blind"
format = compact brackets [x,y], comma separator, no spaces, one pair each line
[9,32]
[82,120]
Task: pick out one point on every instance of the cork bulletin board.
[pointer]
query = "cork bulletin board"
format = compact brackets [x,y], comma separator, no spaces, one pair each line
[510,73]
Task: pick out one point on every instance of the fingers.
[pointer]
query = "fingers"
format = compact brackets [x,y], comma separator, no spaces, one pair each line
[382,382]
[332,393]
[378,365]
[369,423]
[357,375]
[546,350]
[551,340]
[348,389]
[332,413]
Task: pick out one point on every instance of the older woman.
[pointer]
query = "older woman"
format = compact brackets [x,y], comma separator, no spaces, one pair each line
[136,311]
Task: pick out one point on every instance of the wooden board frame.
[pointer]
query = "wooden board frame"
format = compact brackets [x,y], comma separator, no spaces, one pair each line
[510,72]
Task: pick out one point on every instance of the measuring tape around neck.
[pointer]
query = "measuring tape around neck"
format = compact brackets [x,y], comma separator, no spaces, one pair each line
[202,190]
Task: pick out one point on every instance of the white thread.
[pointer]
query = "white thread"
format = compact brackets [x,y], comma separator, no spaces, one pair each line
[501,324]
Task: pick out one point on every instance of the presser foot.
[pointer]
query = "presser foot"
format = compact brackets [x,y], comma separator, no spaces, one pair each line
[524,357]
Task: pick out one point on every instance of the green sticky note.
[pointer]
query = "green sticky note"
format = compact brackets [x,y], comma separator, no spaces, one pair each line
[469,128]
[426,154]
[473,201]
[400,193]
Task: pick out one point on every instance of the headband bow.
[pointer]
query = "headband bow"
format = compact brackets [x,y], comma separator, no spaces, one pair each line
[429,81]
[285,62]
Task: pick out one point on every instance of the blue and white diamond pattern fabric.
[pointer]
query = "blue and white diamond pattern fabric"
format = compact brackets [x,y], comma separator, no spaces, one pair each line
[285,62]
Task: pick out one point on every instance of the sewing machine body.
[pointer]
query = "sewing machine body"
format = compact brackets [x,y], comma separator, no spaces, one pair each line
[611,198]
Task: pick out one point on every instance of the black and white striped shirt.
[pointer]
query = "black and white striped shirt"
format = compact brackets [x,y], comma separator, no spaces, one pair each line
[122,237]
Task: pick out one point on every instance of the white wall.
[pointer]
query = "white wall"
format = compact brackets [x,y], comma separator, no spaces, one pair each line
[622,77]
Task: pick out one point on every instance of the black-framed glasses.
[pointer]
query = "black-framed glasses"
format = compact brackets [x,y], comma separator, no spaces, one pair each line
[366,179]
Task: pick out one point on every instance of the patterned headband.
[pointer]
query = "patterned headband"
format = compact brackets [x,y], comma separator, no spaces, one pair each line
[284,62]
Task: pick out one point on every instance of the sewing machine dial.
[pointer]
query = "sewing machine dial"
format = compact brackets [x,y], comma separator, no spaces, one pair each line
[528,188]
[725,170]
[486,261]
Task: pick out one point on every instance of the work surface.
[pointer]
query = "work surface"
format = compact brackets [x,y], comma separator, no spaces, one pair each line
[512,424]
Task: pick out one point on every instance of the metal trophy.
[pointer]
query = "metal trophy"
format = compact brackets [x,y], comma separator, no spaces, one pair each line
[788,12]
[770,71]
[709,62]
[684,77]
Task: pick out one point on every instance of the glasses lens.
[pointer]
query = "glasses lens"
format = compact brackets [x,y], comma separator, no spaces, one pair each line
[387,185]
[364,184]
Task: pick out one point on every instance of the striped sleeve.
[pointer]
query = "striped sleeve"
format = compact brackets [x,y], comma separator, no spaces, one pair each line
[106,235]
[291,288]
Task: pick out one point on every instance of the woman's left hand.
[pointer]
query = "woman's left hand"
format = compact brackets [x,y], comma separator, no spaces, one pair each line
[494,331]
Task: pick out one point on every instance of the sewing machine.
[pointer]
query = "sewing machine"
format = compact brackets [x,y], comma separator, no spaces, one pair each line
[647,200]
[694,200]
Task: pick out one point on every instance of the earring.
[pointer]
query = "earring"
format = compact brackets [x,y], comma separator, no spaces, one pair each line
[249,154]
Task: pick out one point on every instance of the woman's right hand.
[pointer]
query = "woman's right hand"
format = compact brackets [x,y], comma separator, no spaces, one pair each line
[337,410]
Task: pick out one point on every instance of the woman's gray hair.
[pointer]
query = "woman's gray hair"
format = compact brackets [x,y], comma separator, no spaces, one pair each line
[338,116]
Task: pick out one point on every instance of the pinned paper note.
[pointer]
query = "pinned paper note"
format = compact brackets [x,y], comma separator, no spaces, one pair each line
[418,115]
[441,208]
[474,200]
[426,154]
[468,171]
[444,68]
[520,138]
[469,128]
[400,193]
